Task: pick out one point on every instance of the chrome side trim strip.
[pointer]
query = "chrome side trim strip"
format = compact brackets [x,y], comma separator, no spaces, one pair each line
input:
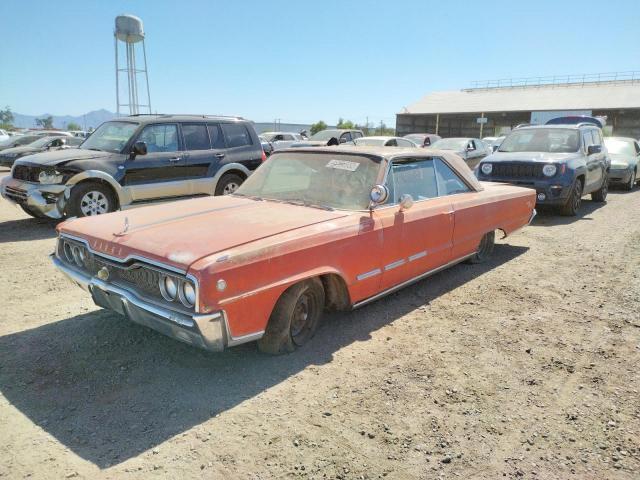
[418,255]
[370,274]
[395,264]
[410,281]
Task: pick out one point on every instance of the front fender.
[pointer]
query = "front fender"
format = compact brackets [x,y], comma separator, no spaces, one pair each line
[124,198]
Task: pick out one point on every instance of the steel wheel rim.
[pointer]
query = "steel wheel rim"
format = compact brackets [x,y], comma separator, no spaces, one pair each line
[303,317]
[94,203]
[230,188]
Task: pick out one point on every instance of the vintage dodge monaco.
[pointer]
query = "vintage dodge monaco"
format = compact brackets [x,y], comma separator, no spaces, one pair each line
[311,230]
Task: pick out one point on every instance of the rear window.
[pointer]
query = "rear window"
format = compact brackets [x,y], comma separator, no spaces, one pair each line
[236,134]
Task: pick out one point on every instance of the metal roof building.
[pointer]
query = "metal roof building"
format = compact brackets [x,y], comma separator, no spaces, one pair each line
[505,104]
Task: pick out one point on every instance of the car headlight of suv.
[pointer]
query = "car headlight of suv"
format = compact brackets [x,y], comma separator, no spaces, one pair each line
[549,170]
[486,168]
[173,289]
[50,177]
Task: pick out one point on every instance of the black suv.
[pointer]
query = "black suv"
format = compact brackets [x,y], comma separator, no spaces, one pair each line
[135,160]
[562,162]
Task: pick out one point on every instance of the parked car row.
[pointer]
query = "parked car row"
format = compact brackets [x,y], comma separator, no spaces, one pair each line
[319,226]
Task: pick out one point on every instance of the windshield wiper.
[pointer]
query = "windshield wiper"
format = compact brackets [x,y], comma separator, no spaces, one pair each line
[94,149]
[307,203]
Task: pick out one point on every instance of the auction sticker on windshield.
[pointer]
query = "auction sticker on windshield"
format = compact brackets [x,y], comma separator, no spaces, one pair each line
[343,165]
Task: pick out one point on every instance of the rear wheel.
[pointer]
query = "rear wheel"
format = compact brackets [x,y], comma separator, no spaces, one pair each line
[295,318]
[485,249]
[90,199]
[228,183]
[600,195]
[571,207]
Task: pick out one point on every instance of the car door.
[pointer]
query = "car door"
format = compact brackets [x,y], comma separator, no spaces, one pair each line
[157,174]
[198,156]
[592,163]
[239,146]
[469,213]
[417,239]
[346,138]
[600,160]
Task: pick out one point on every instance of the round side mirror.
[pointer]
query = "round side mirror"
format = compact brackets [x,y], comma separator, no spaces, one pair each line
[406,202]
[379,194]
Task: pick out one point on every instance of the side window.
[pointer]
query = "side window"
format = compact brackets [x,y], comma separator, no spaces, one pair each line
[217,140]
[415,177]
[278,138]
[357,135]
[597,140]
[471,145]
[635,144]
[236,134]
[195,137]
[391,143]
[587,140]
[288,138]
[160,138]
[346,137]
[449,183]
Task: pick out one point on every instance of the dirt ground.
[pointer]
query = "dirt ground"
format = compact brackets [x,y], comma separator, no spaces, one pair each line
[524,367]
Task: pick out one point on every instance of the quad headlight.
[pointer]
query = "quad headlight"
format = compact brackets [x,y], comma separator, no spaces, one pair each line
[173,289]
[74,254]
[549,170]
[486,168]
[50,177]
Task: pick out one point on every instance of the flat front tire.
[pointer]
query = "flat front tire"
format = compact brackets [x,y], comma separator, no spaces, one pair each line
[485,249]
[295,318]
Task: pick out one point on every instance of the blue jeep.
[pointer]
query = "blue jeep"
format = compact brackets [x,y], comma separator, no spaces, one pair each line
[563,162]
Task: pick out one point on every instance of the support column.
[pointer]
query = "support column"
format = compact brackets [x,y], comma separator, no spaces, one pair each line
[437,122]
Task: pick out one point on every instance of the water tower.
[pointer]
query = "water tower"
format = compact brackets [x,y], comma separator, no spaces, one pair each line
[129,30]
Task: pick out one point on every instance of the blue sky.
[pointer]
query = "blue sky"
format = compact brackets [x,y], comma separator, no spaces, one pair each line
[303,61]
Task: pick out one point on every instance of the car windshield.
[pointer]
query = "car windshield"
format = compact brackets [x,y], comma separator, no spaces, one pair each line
[551,140]
[315,179]
[456,144]
[42,142]
[325,135]
[372,142]
[110,136]
[617,146]
[20,141]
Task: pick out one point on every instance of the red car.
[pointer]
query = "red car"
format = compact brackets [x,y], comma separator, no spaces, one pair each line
[312,229]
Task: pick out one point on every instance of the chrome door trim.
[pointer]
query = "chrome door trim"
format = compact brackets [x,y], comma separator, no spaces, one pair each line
[410,281]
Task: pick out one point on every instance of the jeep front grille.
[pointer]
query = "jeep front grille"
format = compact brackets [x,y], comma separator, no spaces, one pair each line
[517,170]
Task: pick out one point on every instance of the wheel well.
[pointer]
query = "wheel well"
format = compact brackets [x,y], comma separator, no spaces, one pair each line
[99,181]
[581,178]
[236,172]
[336,292]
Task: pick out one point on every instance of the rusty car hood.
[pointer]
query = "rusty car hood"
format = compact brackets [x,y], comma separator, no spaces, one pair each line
[179,233]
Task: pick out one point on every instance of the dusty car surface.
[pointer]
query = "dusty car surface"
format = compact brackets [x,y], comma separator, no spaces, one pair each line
[42,144]
[311,230]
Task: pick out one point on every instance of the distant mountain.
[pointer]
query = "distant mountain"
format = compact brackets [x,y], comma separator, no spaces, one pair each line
[88,120]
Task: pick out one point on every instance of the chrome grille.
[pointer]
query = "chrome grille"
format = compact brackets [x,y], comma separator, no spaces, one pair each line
[16,194]
[26,173]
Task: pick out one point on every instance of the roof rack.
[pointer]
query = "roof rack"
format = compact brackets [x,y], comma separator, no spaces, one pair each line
[183,115]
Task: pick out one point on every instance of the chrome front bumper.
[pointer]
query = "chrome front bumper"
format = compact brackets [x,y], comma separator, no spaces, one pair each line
[209,332]
[49,200]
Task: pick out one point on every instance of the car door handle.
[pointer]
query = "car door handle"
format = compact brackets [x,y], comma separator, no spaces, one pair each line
[175,159]
[220,155]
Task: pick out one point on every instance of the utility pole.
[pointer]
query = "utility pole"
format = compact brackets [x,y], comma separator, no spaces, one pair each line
[366,126]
